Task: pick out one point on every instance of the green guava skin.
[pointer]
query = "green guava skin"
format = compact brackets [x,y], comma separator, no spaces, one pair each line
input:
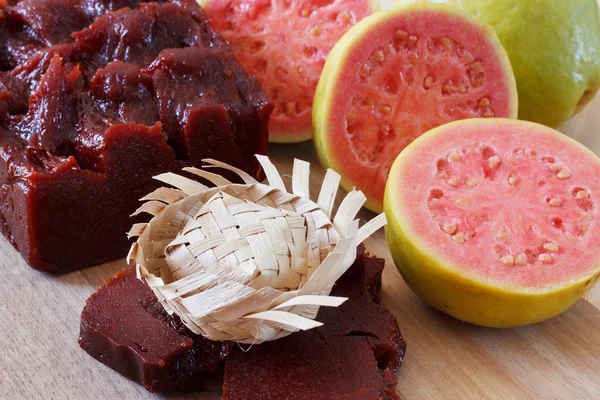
[554,49]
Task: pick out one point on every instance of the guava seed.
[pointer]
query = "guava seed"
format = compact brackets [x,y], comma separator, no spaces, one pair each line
[494,161]
[454,156]
[471,183]
[454,181]
[521,260]
[554,202]
[582,194]
[545,258]
[459,238]
[551,247]
[508,260]
[584,214]
[316,31]
[512,180]
[378,55]
[450,228]
[427,82]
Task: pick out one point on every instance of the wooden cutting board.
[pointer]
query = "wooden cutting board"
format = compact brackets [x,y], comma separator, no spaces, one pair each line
[446,359]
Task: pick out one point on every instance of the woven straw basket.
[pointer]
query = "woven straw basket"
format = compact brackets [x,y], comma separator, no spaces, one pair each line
[247,262]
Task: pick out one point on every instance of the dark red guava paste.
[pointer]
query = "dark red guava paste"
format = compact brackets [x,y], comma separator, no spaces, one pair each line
[96,97]
[353,356]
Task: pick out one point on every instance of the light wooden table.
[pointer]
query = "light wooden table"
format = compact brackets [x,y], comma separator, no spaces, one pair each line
[446,359]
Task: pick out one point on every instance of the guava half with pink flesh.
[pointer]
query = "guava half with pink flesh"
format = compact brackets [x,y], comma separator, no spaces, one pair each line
[397,74]
[284,44]
[496,221]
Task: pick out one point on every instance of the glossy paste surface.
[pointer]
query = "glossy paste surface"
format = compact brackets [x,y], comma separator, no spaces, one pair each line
[98,96]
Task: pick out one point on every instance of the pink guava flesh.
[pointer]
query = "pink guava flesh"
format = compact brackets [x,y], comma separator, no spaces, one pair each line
[284,44]
[411,73]
[509,202]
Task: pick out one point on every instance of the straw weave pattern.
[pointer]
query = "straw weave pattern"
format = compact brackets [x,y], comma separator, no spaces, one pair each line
[247,262]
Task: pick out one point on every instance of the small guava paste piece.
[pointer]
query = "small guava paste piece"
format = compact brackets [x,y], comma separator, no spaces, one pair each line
[284,44]
[406,74]
[507,201]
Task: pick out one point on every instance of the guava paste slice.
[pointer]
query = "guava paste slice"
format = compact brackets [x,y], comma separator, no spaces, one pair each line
[396,75]
[284,44]
[509,203]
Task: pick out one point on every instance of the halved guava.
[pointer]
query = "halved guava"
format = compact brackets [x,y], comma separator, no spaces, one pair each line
[397,74]
[496,221]
[284,44]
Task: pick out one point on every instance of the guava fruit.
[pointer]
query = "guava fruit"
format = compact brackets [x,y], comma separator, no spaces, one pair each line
[284,44]
[397,74]
[495,221]
[554,48]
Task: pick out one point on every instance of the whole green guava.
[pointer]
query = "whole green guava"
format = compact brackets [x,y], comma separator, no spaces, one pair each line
[554,49]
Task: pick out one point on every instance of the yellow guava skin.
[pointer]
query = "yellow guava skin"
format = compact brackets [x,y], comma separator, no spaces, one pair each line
[443,286]
[554,48]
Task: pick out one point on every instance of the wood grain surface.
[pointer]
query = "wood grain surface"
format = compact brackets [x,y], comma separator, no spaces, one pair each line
[446,359]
